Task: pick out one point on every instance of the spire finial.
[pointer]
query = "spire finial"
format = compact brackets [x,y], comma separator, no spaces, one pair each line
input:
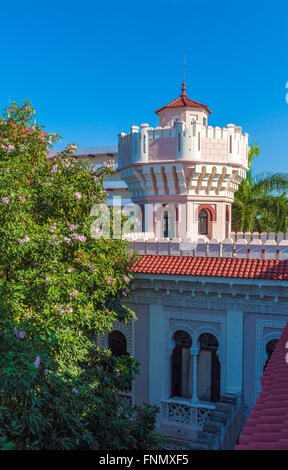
[184,84]
[183,89]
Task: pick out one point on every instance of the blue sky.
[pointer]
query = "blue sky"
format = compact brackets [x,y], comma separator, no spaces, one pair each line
[91,68]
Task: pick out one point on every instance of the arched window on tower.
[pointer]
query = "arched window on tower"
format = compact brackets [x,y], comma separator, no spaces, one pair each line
[175,119]
[269,350]
[168,223]
[117,343]
[181,366]
[203,222]
[165,224]
[208,383]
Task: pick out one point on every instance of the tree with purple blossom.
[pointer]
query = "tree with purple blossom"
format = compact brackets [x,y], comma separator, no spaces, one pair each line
[59,289]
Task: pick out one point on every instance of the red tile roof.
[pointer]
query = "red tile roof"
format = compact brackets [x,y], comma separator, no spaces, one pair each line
[267,427]
[214,267]
[183,101]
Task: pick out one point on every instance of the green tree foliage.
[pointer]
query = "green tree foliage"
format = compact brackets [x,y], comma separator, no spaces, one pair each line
[261,204]
[59,288]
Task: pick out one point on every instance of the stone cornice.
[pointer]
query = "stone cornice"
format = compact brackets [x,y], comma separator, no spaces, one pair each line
[209,279]
[257,296]
[200,302]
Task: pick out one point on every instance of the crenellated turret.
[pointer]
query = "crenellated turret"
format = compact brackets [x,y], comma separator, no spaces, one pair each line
[195,143]
[186,161]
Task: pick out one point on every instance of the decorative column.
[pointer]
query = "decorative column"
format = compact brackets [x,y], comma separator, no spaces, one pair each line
[149,218]
[234,352]
[194,353]
[156,351]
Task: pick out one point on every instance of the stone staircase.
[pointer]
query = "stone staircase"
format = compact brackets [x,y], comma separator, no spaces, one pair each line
[213,434]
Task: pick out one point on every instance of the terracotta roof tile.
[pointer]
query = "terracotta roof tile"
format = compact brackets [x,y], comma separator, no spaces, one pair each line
[184,101]
[267,426]
[213,267]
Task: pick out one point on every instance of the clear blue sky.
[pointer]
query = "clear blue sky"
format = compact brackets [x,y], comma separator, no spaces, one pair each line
[92,68]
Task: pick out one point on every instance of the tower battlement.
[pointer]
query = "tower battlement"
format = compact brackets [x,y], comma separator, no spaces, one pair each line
[197,143]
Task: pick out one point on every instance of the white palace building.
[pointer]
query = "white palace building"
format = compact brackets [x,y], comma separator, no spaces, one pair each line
[210,304]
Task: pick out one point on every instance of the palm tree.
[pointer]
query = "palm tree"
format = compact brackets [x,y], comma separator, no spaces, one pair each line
[260,203]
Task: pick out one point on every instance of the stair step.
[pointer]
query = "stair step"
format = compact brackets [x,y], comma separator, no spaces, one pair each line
[219,418]
[198,446]
[225,406]
[212,428]
[229,399]
[204,436]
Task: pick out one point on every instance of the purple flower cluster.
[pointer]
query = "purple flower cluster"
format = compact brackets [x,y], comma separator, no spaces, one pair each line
[109,164]
[74,293]
[65,310]
[71,147]
[92,270]
[8,148]
[78,238]
[23,240]
[37,362]
[20,335]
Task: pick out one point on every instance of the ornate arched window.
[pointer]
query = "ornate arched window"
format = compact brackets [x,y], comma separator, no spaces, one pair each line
[117,343]
[208,383]
[181,365]
[203,222]
[269,350]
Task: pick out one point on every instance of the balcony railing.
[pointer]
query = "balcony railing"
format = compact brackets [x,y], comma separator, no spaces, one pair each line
[183,411]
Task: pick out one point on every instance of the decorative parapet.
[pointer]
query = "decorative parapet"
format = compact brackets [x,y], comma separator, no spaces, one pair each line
[195,143]
[263,236]
[255,248]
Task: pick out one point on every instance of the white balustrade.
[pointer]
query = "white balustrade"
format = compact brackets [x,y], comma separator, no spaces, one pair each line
[183,411]
[261,246]
[256,248]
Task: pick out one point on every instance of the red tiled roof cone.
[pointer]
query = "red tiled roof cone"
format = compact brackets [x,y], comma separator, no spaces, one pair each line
[267,426]
[184,101]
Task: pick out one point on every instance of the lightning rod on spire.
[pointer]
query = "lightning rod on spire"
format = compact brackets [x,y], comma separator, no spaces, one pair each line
[184,66]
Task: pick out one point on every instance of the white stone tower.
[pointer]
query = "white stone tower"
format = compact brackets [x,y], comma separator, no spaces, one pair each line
[184,173]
